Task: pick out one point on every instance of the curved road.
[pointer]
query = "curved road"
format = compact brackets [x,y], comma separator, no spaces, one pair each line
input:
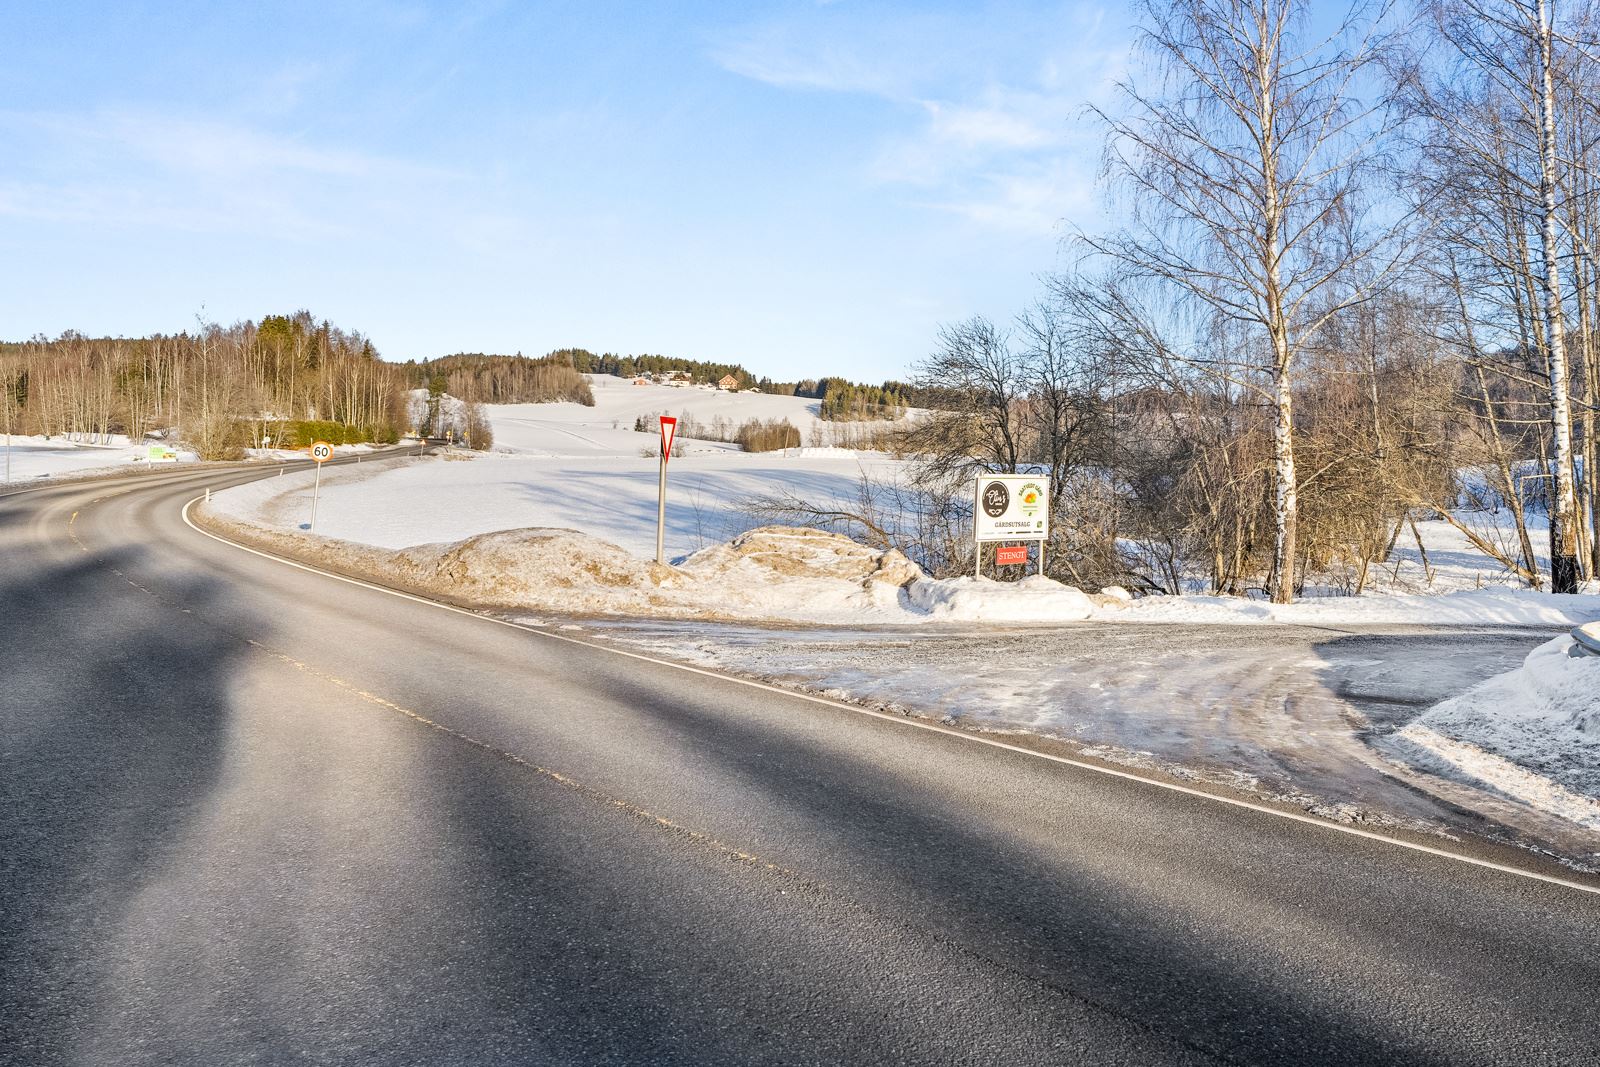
[253,814]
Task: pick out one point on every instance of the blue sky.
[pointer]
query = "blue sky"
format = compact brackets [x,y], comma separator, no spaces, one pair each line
[802,187]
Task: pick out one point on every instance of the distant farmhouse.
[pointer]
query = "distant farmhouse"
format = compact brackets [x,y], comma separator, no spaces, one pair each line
[728,383]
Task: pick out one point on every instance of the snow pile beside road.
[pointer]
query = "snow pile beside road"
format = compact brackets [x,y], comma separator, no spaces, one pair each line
[1033,599]
[1473,607]
[771,573]
[1532,734]
[779,572]
[553,570]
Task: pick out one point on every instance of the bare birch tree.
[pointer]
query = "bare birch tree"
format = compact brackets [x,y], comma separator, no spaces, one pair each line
[1245,160]
[1509,108]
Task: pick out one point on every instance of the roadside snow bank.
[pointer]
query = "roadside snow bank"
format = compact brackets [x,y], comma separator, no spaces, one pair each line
[1033,599]
[772,573]
[1532,734]
[1473,607]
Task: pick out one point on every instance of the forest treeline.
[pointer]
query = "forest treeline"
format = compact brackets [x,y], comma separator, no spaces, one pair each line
[1357,284]
[700,371]
[292,378]
[517,379]
[219,388]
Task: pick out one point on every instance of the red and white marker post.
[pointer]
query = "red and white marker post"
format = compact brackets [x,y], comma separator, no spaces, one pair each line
[669,430]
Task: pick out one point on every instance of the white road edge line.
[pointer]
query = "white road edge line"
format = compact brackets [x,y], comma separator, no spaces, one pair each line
[915,723]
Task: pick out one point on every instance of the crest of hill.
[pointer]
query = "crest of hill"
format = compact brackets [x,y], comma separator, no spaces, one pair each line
[494,379]
[559,376]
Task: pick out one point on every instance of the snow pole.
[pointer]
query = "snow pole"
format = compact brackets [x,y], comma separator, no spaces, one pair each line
[315,491]
[321,452]
[669,429]
[661,507]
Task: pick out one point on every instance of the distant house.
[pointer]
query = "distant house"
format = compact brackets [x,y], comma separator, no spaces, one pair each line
[641,381]
[728,383]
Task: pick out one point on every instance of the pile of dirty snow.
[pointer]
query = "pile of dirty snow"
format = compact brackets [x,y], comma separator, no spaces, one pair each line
[771,573]
[781,572]
[1532,734]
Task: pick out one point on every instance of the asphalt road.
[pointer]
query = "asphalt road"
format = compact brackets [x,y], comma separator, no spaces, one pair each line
[251,814]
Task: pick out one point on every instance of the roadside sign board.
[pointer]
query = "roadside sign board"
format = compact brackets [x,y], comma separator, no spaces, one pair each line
[322,451]
[1011,507]
[669,430]
[1010,554]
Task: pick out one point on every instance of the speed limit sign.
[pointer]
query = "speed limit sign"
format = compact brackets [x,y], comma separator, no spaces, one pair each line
[322,451]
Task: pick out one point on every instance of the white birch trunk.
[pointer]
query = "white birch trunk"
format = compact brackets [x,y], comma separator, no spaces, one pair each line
[1563,507]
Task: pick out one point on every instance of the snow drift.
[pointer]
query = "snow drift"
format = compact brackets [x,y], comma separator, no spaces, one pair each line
[1033,599]
[772,573]
[1532,734]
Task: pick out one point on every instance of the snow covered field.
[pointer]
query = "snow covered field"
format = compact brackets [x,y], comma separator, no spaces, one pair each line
[33,458]
[575,467]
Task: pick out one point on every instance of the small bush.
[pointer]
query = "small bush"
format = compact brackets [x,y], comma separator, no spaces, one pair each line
[769,436]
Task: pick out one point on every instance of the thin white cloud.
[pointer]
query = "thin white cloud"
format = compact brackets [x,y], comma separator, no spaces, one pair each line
[1029,202]
[766,57]
[1011,151]
[138,168]
[201,145]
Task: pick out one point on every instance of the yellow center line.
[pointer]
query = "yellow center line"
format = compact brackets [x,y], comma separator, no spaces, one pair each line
[566,781]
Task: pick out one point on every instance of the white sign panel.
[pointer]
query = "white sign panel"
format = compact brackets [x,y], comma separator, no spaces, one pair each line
[1011,507]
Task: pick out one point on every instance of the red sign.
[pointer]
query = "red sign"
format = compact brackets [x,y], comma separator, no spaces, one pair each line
[1010,554]
[669,429]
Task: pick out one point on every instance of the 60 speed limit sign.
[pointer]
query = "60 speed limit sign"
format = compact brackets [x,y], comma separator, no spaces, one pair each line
[322,451]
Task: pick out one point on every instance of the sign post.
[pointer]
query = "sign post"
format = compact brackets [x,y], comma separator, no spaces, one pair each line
[669,429]
[322,451]
[1009,507]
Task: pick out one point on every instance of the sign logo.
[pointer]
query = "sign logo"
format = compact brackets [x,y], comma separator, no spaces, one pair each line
[322,451]
[996,499]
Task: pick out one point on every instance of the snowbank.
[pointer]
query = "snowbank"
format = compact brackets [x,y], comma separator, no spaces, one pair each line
[1473,607]
[1033,599]
[1532,734]
[772,573]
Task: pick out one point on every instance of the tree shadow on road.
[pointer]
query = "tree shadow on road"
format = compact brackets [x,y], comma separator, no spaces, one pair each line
[113,710]
[1154,942]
